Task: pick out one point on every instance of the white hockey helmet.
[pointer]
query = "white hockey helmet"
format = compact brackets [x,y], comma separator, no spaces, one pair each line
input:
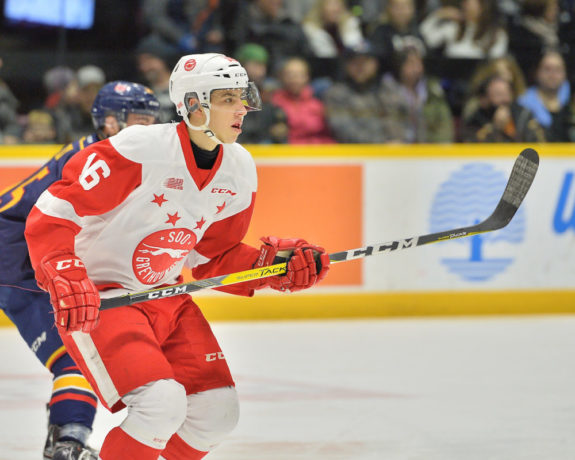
[195,76]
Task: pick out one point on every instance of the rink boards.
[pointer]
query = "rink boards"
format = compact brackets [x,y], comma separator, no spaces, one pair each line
[345,197]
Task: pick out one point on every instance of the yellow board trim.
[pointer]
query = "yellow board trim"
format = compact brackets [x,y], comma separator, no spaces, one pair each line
[385,305]
[20,152]
[345,151]
[426,151]
[380,305]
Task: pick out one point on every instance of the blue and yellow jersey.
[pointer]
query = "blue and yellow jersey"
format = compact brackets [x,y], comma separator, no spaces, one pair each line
[15,205]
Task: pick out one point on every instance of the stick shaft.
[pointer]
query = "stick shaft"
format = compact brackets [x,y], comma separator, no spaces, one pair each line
[277,269]
[518,185]
[280,269]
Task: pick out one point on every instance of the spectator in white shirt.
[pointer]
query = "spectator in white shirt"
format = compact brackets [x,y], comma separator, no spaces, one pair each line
[331,28]
[469,32]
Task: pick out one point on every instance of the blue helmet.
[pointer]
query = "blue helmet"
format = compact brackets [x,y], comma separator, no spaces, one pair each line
[119,98]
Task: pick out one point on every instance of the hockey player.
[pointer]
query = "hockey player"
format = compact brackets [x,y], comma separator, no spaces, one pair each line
[73,403]
[127,215]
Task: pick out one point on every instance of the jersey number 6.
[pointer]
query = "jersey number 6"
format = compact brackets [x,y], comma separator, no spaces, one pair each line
[89,177]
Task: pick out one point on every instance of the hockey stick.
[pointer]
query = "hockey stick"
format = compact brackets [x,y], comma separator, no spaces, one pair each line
[520,180]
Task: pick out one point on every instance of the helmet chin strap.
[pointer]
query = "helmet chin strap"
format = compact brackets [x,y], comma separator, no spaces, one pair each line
[204,127]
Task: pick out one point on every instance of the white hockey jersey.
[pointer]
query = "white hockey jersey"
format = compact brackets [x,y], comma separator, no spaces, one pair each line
[135,208]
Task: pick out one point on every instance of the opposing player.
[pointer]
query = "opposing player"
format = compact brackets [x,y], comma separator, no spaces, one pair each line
[73,403]
[127,215]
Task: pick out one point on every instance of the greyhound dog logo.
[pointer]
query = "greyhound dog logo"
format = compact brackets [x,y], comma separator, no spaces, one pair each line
[173,253]
[160,253]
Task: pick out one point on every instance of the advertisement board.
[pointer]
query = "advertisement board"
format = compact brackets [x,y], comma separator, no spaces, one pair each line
[344,197]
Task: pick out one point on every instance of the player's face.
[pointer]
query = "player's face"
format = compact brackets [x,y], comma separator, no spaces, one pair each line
[227,114]
[111,126]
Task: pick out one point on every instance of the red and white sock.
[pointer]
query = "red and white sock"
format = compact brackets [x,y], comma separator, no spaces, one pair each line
[178,449]
[119,445]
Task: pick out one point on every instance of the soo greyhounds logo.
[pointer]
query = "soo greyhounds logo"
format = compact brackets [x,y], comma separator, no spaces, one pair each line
[161,251]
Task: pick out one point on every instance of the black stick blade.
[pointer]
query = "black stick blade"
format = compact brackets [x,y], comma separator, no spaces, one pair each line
[520,181]
[521,178]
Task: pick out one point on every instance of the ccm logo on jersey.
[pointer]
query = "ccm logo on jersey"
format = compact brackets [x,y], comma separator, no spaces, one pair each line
[67,263]
[223,191]
[214,356]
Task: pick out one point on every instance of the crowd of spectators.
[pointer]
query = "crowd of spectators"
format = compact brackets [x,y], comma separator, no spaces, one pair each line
[357,71]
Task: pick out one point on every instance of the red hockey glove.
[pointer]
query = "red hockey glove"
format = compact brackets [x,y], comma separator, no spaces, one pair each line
[74,296]
[307,264]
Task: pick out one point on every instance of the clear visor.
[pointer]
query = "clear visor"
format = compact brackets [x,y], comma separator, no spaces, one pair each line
[251,97]
[150,112]
[137,108]
[229,99]
[130,117]
[151,108]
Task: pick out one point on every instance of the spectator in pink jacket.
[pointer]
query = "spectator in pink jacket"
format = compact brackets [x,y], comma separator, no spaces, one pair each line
[305,113]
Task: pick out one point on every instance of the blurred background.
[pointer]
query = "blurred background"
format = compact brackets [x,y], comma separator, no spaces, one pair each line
[356,71]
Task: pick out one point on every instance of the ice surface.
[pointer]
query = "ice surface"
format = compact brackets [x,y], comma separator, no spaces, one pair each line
[402,389]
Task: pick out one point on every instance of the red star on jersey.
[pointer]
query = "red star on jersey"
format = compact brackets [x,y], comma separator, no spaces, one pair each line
[200,223]
[221,208]
[159,199]
[173,218]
